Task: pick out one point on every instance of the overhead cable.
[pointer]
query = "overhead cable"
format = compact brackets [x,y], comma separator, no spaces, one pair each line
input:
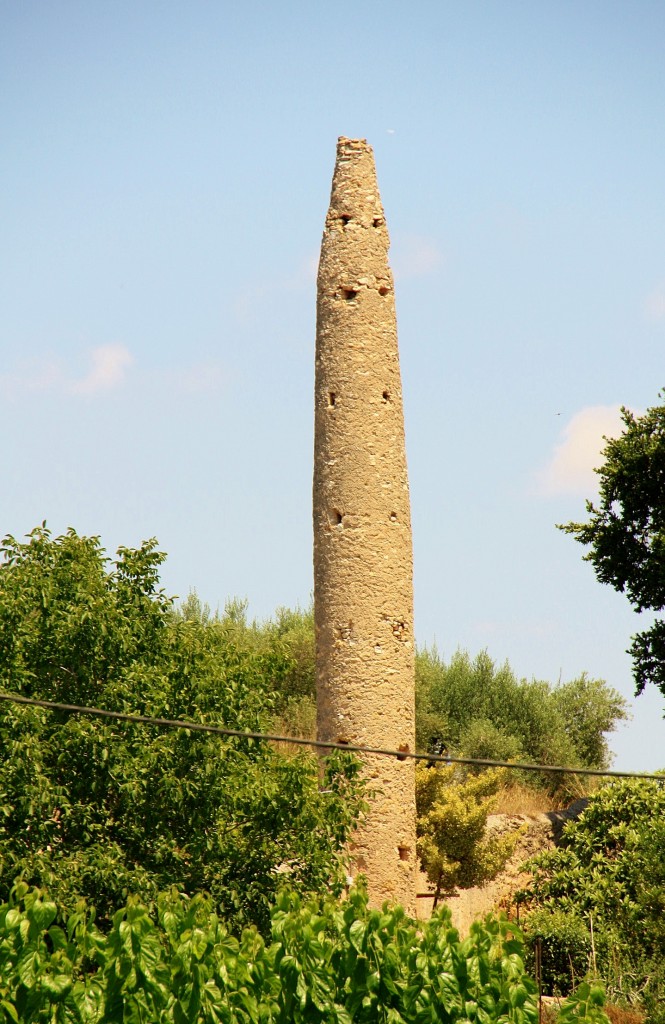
[400,755]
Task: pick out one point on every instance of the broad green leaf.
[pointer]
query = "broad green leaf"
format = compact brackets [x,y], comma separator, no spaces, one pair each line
[28,966]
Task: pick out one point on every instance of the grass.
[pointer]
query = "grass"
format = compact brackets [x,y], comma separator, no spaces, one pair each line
[520,799]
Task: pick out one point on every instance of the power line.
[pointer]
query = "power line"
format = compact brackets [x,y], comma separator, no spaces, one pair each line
[400,755]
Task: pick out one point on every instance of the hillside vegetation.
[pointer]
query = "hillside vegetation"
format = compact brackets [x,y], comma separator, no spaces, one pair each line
[597,902]
[467,706]
[124,818]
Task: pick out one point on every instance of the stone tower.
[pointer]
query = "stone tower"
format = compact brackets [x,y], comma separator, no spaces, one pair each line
[363,566]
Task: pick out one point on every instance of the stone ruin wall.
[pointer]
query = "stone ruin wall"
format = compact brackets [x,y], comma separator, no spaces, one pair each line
[363,589]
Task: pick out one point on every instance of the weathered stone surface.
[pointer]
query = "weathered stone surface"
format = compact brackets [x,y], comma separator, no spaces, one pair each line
[363,575]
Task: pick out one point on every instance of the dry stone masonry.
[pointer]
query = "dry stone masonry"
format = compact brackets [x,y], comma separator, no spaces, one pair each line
[363,566]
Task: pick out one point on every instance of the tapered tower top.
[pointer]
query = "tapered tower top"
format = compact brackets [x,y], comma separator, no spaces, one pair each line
[355,192]
[355,239]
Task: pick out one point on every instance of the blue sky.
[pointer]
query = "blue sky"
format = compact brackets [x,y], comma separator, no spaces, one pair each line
[166,171]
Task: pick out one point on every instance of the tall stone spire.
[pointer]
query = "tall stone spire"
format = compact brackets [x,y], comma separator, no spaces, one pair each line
[363,566]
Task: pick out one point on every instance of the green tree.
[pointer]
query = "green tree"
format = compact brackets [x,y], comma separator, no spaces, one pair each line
[589,710]
[607,874]
[289,635]
[485,710]
[454,848]
[625,532]
[102,810]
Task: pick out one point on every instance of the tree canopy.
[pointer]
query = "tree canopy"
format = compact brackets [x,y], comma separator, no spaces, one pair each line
[97,810]
[454,847]
[625,532]
[101,810]
[598,900]
[468,704]
[483,709]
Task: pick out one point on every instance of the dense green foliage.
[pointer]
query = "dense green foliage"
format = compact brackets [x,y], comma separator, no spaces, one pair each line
[289,636]
[625,534]
[471,705]
[607,875]
[103,810]
[325,963]
[98,813]
[468,705]
[454,848]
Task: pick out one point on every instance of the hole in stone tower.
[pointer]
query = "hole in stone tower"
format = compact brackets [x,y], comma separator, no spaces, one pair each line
[338,517]
[386,396]
[332,398]
[384,289]
[404,852]
[393,517]
[377,222]
[345,218]
[404,750]
[349,294]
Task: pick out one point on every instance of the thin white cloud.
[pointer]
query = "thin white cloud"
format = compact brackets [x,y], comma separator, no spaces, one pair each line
[47,375]
[570,469]
[654,306]
[201,378]
[415,256]
[248,305]
[33,376]
[109,366]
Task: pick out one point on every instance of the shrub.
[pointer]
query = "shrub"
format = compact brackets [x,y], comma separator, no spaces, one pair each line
[610,870]
[452,843]
[325,963]
[473,706]
[565,949]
